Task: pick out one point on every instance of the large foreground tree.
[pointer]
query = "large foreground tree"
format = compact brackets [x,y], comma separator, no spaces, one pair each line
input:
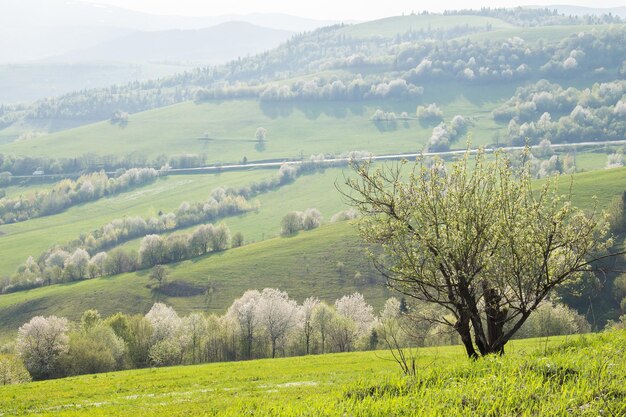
[477,238]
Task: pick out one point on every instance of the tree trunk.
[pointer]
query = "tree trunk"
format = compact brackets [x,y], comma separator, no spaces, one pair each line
[308,340]
[495,317]
[463,329]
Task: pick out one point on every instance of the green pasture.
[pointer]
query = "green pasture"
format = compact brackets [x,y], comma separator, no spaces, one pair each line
[604,185]
[563,376]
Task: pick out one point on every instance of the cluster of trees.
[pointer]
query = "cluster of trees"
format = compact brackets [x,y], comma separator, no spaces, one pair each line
[444,60]
[546,110]
[259,324]
[492,61]
[526,16]
[295,221]
[551,164]
[85,257]
[11,165]
[445,134]
[335,89]
[59,265]
[389,120]
[542,161]
[429,114]
[155,250]
[221,203]
[331,89]
[67,193]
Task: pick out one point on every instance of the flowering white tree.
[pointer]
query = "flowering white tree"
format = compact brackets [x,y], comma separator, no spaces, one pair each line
[277,314]
[306,315]
[311,219]
[96,264]
[201,239]
[152,250]
[168,338]
[356,309]
[164,321]
[243,312]
[615,160]
[40,344]
[260,134]
[220,240]
[76,265]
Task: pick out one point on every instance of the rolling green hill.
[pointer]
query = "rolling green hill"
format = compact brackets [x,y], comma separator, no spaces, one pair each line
[293,129]
[304,265]
[18,241]
[384,49]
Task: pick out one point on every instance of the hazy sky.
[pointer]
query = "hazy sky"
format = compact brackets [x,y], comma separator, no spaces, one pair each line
[326,9]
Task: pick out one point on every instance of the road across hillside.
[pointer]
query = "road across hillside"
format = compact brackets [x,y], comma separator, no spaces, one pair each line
[391,157]
[277,164]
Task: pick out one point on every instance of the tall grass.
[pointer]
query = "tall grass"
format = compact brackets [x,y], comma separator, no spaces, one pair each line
[583,376]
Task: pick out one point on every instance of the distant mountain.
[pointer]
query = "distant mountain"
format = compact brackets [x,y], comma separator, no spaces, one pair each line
[36,29]
[58,13]
[582,11]
[217,44]
[279,21]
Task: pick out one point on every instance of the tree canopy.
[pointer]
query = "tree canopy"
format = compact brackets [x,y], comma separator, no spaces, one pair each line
[477,238]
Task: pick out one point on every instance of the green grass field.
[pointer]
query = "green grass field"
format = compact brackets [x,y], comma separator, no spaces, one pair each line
[558,377]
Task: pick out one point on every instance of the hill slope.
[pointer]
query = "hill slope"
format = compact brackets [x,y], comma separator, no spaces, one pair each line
[304,265]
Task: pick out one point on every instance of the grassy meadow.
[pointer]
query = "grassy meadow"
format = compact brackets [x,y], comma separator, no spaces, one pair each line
[560,376]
